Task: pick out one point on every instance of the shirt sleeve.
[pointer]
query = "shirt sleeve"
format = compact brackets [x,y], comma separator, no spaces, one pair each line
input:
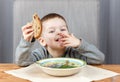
[23,55]
[93,54]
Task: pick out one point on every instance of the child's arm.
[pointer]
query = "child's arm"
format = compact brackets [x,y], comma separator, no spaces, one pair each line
[93,55]
[23,49]
[23,55]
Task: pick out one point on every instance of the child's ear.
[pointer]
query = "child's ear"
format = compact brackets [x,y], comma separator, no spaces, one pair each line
[42,41]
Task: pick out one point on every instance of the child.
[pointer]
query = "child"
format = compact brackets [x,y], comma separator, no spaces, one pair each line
[56,41]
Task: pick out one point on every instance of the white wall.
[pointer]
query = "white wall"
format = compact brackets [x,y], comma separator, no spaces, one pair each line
[114,32]
[6,30]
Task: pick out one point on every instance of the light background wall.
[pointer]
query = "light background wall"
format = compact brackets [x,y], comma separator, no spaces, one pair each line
[6,30]
[97,21]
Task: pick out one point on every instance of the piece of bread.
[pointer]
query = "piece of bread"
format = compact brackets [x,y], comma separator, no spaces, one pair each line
[37,26]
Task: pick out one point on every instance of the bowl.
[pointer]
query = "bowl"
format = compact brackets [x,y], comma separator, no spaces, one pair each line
[61,66]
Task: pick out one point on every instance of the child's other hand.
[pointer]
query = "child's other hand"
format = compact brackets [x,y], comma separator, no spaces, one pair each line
[27,31]
[70,40]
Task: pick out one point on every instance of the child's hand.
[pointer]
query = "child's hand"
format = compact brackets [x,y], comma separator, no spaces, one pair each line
[27,32]
[69,40]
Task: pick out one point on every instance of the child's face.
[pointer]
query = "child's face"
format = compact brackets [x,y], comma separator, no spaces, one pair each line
[52,30]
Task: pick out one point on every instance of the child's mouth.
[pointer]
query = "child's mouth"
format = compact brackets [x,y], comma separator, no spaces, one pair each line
[57,38]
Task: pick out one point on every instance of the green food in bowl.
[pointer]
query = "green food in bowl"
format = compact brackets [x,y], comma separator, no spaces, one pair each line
[61,63]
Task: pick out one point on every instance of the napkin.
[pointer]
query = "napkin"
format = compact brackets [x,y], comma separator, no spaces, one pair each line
[87,74]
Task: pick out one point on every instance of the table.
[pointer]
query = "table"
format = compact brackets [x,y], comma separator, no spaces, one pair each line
[4,77]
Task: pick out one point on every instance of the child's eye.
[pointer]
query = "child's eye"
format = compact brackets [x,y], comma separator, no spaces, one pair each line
[51,31]
[63,29]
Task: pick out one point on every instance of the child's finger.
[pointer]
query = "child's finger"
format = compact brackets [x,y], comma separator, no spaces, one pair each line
[63,35]
[27,26]
[29,35]
[27,31]
[66,45]
[63,39]
[72,34]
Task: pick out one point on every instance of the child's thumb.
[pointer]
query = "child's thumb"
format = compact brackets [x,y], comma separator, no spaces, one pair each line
[72,34]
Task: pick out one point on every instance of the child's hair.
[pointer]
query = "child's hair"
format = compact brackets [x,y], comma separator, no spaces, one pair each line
[51,16]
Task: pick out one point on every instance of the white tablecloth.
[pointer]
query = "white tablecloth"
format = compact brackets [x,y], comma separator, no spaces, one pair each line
[87,74]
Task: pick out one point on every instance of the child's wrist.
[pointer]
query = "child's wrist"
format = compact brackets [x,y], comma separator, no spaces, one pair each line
[79,43]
